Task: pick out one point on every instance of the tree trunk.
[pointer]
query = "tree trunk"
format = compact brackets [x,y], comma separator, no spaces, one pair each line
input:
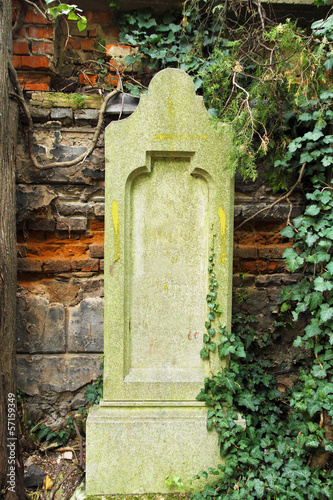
[11,471]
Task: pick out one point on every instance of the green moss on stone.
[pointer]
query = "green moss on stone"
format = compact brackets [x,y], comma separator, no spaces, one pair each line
[61,100]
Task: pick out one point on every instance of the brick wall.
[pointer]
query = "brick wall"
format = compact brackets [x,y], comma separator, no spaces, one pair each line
[60,214]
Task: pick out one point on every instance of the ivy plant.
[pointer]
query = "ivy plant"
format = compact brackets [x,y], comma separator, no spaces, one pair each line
[173,40]
[279,444]
[71,11]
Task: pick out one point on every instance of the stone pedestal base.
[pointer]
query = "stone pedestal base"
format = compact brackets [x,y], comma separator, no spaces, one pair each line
[132,449]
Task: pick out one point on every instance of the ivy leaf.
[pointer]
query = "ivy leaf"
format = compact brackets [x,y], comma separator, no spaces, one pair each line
[293,146]
[328,233]
[147,24]
[319,372]
[313,408]
[329,267]
[328,445]
[288,232]
[284,307]
[312,210]
[321,285]
[246,399]
[305,117]
[204,353]
[210,423]
[311,239]
[318,257]
[240,352]
[211,346]
[294,261]
[327,160]
[72,16]
[313,136]
[313,329]
[298,342]
[259,487]
[327,389]
[326,312]
[306,157]
[82,24]
[316,300]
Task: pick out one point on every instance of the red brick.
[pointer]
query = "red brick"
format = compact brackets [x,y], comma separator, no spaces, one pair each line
[21,33]
[245,252]
[34,62]
[74,43]
[29,265]
[112,79]
[40,31]
[96,251]
[34,81]
[34,17]
[56,266]
[85,264]
[17,60]
[92,33]
[87,79]
[42,47]
[97,225]
[87,44]
[20,48]
[102,18]
[272,252]
[43,87]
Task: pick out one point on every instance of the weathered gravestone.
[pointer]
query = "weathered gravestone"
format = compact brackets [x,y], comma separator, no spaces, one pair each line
[167,191]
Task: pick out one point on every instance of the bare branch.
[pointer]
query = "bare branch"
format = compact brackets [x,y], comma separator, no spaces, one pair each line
[20,97]
[20,18]
[283,197]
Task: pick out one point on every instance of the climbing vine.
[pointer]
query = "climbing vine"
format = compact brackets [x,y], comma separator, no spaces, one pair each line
[283,448]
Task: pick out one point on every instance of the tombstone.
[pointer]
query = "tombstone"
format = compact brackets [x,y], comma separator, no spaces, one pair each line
[167,191]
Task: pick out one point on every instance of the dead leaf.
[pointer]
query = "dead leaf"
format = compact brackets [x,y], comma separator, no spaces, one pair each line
[48,483]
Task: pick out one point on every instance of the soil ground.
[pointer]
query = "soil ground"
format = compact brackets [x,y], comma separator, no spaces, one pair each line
[61,467]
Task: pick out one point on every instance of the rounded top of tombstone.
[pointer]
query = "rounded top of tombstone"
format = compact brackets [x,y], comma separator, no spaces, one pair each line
[171,81]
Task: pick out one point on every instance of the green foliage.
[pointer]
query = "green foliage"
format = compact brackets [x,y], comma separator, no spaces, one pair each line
[43,432]
[94,392]
[173,481]
[72,12]
[278,445]
[266,436]
[174,40]
[262,92]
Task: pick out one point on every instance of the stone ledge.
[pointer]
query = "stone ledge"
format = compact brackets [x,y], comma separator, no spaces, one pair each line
[61,100]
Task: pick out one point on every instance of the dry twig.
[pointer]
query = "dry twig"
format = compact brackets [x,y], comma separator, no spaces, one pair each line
[283,197]
[81,463]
